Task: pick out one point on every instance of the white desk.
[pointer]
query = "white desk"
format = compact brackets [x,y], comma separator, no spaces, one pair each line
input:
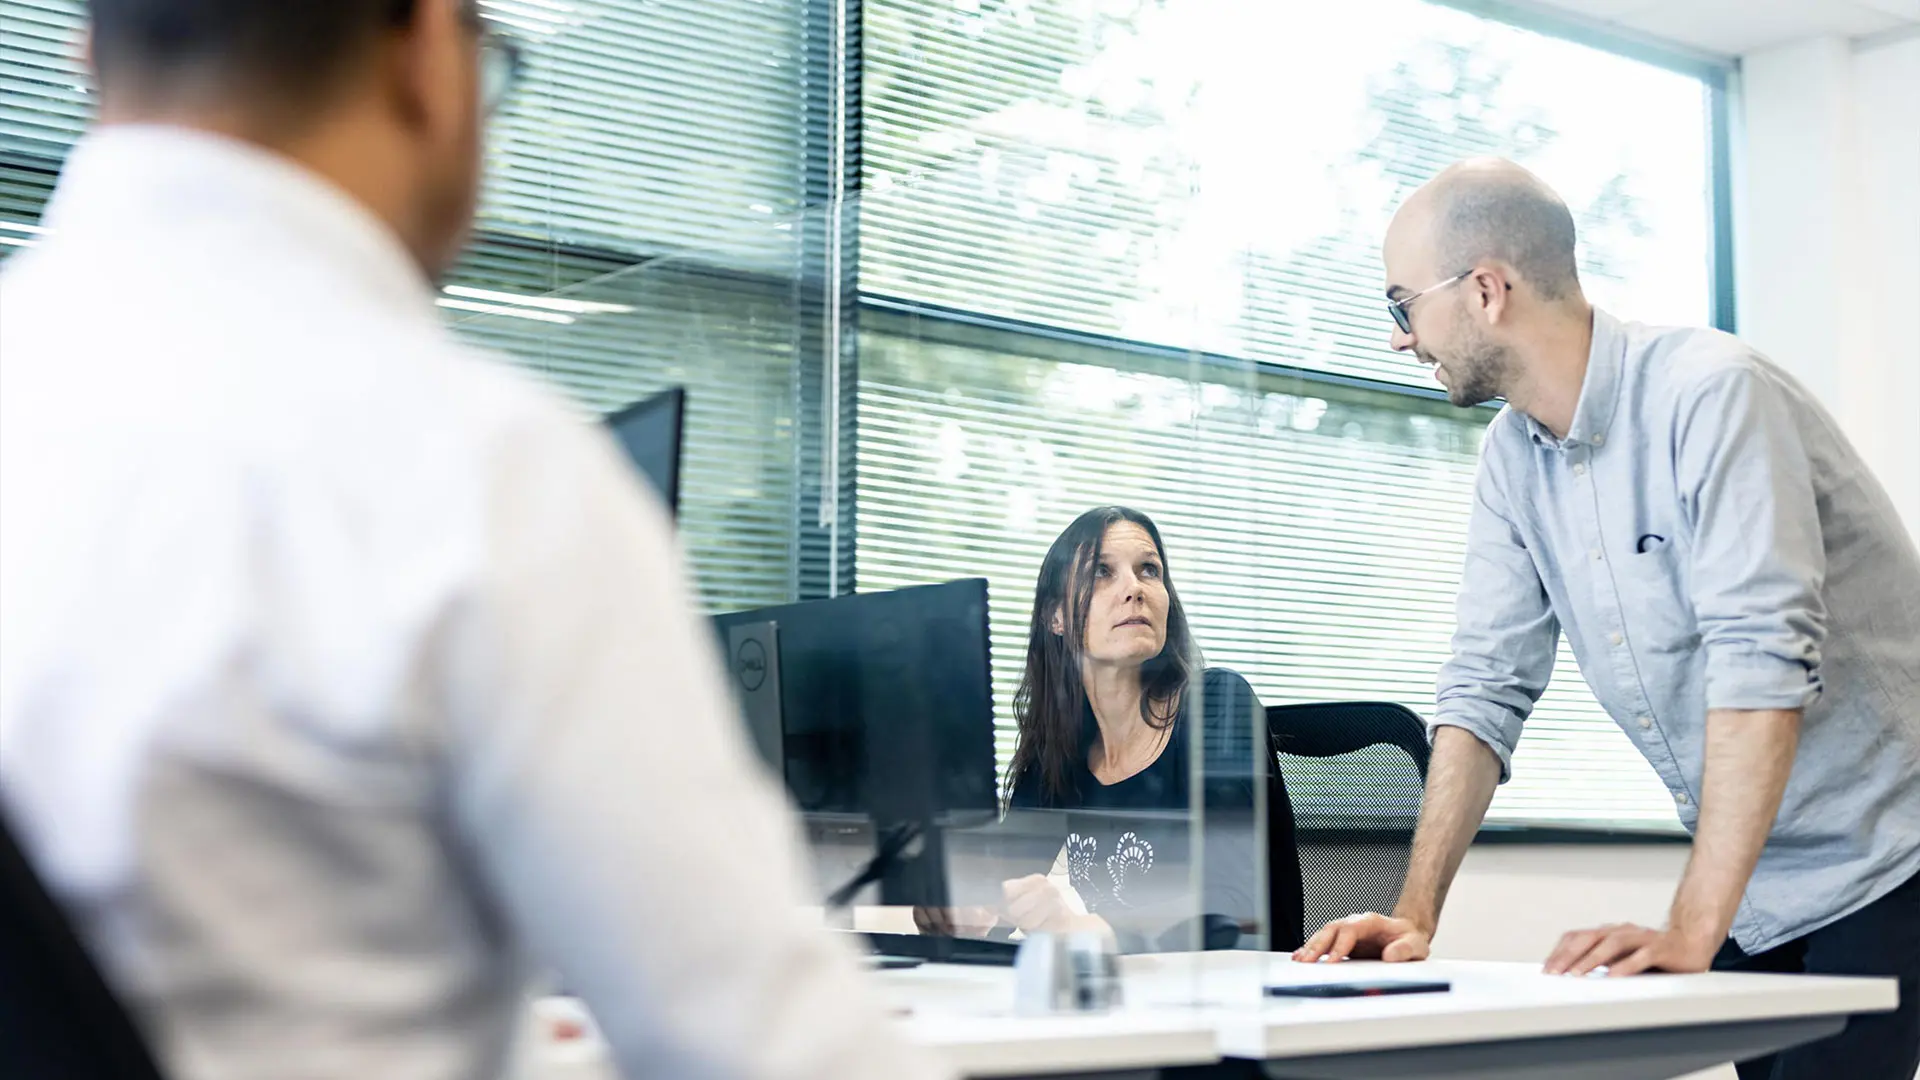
[1510,1020]
[963,1013]
[966,1012]
[1504,1021]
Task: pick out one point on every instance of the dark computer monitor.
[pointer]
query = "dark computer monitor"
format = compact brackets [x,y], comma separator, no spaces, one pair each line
[649,430]
[877,707]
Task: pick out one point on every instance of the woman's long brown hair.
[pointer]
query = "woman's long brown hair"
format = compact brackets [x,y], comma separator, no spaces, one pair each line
[1052,698]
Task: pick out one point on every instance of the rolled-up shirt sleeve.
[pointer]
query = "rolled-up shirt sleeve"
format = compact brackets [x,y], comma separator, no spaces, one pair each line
[1505,635]
[1758,562]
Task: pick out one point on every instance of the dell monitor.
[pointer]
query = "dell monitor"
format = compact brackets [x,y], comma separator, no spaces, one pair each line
[649,431]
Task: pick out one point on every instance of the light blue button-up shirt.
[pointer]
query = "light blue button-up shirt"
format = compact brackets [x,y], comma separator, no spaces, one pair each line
[1707,539]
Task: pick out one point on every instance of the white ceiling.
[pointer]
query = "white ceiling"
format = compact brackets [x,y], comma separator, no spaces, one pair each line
[1733,27]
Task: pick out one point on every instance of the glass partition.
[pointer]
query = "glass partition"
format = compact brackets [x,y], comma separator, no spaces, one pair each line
[921,452]
[728,339]
[1071,486]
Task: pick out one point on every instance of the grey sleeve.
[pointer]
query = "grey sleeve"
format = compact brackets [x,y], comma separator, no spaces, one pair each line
[1505,634]
[1759,561]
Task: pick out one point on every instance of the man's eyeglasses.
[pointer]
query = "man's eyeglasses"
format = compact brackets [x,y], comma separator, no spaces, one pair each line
[501,57]
[501,62]
[1398,308]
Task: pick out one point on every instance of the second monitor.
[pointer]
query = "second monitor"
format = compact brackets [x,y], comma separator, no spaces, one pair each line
[875,707]
[649,431]
[849,698]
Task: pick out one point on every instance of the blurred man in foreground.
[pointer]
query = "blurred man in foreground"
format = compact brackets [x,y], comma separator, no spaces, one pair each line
[343,675]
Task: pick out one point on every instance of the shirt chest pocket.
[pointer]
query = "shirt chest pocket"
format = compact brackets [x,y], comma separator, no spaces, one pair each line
[1654,603]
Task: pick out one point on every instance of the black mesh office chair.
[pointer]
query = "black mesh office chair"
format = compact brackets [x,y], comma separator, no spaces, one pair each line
[1355,772]
[57,1016]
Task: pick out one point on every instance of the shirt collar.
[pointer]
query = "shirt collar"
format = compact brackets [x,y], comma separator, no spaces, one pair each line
[1599,391]
[131,179]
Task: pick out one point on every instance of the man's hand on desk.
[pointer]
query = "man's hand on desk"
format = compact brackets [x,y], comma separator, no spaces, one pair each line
[1625,949]
[1367,937]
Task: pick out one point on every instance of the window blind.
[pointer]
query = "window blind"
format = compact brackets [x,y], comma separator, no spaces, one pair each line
[636,236]
[1218,178]
[669,126]
[1315,533]
[43,90]
[630,234]
[728,339]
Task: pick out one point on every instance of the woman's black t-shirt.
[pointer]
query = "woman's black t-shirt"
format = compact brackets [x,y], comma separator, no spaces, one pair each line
[1129,844]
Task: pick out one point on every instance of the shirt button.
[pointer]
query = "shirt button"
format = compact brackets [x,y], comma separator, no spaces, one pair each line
[1580,468]
[1599,440]
[1615,638]
[1646,722]
[1681,798]
[1596,555]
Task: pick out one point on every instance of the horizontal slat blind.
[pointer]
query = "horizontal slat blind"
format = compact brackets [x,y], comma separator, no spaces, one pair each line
[1314,535]
[671,128]
[43,89]
[642,130]
[671,125]
[729,340]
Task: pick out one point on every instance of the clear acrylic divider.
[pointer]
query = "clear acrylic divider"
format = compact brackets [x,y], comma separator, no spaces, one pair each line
[830,450]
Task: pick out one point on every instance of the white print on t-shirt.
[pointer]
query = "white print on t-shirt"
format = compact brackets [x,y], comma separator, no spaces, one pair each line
[1081,851]
[1132,858]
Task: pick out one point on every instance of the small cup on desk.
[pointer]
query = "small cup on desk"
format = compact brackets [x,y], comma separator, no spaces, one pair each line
[1066,973]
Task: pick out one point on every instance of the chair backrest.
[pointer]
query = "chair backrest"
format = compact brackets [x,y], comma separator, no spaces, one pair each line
[1355,772]
[57,1016]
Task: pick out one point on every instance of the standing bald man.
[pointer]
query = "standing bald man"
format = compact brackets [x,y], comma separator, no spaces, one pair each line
[1736,586]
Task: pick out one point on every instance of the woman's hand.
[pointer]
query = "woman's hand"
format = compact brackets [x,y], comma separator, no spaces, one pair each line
[1036,904]
[965,922]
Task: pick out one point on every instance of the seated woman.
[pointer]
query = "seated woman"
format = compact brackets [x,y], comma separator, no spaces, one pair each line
[1105,710]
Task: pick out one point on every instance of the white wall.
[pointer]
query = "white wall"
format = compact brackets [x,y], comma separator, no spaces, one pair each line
[1886,83]
[1513,901]
[1828,237]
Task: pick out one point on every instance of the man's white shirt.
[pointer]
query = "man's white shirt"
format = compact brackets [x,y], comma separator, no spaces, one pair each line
[344,676]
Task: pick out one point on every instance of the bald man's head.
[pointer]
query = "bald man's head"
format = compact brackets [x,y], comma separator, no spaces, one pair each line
[1489,208]
[1479,262]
